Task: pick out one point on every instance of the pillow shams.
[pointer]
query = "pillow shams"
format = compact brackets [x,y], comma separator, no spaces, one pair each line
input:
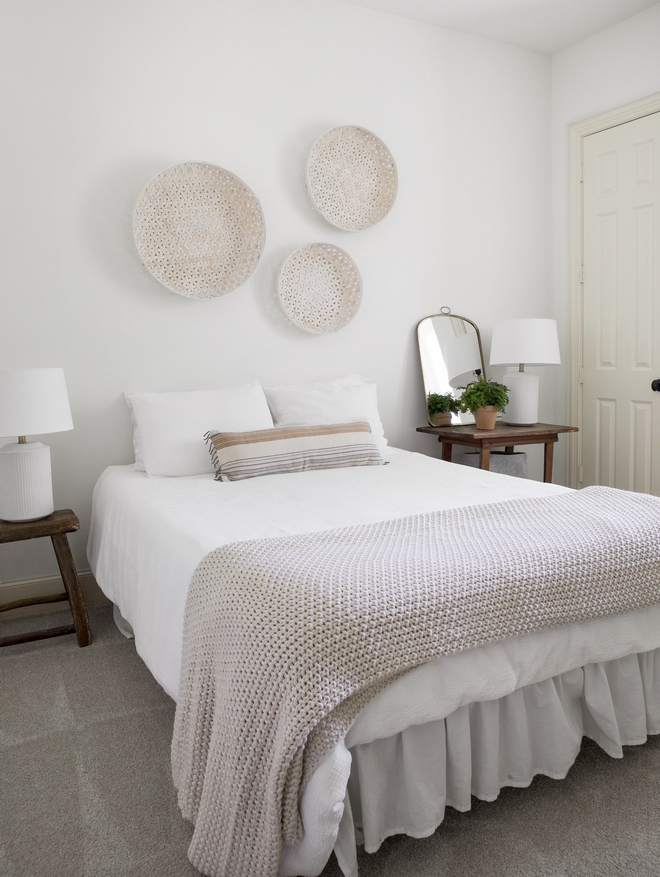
[291,449]
[169,427]
[343,400]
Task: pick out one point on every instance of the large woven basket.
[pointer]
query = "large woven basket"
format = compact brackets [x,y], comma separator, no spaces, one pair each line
[351,177]
[198,229]
[320,288]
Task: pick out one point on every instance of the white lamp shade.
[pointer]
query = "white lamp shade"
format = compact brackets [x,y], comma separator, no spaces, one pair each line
[33,401]
[533,342]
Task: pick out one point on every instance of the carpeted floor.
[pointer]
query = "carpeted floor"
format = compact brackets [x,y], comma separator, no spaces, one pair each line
[85,786]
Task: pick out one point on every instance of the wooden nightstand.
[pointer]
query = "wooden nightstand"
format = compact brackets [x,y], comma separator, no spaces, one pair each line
[502,436]
[56,526]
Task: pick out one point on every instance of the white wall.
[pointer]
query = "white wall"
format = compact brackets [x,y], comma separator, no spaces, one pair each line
[98,97]
[613,68]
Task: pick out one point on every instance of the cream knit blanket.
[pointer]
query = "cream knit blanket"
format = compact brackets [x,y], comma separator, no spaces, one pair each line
[287,639]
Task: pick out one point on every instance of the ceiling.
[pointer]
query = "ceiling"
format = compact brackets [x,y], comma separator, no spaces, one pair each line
[547,26]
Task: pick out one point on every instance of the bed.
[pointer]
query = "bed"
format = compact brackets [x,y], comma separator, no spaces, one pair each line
[463,724]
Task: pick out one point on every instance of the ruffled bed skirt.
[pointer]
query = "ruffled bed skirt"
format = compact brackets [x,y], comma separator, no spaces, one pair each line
[402,784]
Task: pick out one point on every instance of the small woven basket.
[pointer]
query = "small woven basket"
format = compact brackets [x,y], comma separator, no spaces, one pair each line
[320,288]
[351,177]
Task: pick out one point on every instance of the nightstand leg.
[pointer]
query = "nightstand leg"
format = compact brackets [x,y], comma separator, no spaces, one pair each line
[547,461]
[73,589]
[484,457]
[446,451]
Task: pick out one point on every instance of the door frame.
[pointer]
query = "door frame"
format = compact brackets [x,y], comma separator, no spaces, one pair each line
[576,134]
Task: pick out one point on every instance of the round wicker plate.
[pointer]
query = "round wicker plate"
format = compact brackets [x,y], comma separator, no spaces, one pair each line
[351,177]
[198,229]
[320,288]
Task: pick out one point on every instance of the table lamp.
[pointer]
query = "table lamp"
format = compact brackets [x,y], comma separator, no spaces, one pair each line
[520,342]
[33,401]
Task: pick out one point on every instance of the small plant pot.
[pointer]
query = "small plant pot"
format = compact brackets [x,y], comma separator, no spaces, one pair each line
[442,418]
[485,417]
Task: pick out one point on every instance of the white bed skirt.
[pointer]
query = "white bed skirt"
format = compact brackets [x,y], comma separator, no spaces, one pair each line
[402,784]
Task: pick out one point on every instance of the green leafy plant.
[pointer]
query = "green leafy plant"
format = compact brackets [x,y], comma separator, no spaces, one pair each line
[481,393]
[439,403]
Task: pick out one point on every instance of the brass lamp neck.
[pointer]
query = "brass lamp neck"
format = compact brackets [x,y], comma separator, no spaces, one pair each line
[21,440]
[521,366]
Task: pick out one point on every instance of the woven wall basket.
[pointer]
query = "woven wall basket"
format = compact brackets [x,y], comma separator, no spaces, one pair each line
[351,177]
[198,229]
[320,288]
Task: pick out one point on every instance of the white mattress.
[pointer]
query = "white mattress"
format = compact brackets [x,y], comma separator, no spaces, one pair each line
[148,535]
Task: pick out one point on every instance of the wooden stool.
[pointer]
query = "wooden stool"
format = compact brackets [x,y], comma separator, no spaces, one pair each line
[56,526]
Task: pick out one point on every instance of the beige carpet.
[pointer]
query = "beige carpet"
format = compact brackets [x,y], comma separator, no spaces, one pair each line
[85,787]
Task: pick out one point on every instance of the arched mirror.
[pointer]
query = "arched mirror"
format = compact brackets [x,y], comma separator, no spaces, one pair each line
[450,354]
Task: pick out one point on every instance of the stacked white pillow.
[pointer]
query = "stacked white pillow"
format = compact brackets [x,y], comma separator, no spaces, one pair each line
[342,400]
[169,428]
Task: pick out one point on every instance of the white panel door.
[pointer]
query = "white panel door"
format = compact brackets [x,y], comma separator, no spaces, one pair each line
[621,301]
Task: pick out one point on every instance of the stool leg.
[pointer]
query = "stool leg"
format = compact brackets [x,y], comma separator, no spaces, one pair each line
[73,589]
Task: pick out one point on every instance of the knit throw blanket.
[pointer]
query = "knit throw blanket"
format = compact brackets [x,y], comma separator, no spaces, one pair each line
[286,640]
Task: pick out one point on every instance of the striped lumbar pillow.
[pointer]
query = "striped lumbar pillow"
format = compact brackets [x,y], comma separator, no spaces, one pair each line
[238,455]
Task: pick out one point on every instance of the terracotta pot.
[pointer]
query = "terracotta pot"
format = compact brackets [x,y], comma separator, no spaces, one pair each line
[485,417]
[442,418]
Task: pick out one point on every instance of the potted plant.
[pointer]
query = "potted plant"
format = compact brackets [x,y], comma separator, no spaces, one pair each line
[484,399]
[440,407]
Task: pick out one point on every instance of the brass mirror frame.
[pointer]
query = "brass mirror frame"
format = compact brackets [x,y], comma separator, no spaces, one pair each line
[446,312]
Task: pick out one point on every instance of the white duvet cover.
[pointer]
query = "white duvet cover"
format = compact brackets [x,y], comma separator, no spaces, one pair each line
[149,534]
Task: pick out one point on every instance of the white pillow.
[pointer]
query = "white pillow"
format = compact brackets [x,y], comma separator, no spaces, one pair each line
[342,400]
[169,428]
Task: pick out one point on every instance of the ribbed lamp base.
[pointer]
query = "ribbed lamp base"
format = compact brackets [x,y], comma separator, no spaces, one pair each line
[26,487]
[523,407]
